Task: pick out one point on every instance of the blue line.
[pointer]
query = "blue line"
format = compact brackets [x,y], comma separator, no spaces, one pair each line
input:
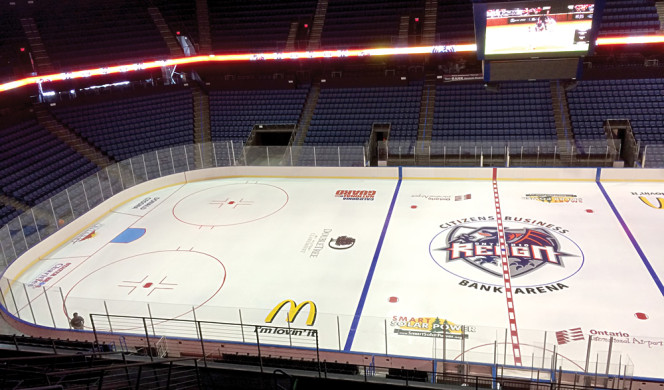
[629,234]
[367,282]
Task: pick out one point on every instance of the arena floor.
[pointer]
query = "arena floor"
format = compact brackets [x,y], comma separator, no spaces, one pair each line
[503,270]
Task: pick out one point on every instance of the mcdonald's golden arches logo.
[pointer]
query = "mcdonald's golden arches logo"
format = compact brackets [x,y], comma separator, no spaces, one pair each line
[293,310]
[660,202]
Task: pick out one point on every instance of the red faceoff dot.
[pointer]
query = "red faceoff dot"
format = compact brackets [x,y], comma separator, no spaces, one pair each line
[147,285]
[394,299]
[589,211]
[413,207]
[641,316]
[231,202]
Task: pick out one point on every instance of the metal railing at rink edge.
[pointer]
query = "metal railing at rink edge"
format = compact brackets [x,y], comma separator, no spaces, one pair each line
[247,336]
[544,153]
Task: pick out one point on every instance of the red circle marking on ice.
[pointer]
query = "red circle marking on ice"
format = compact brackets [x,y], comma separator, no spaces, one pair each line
[147,285]
[641,316]
[413,207]
[394,299]
[590,211]
[231,202]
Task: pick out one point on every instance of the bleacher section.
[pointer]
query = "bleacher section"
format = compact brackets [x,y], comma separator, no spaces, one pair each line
[7,213]
[237,25]
[81,32]
[629,17]
[351,24]
[126,127]
[344,116]
[639,100]
[180,15]
[13,39]
[519,111]
[454,23]
[35,165]
[233,113]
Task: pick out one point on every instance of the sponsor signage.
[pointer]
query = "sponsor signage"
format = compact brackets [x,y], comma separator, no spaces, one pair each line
[316,243]
[569,335]
[365,195]
[145,203]
[462,77]
[87,234]
[47,275]
[437,197]
[653,200]
[603,335]
[429,327]
[293,310]
[554,198]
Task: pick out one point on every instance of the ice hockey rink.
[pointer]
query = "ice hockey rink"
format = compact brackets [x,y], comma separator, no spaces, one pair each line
[483,260]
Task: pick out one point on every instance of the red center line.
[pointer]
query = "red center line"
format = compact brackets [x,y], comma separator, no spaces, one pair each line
[507,279]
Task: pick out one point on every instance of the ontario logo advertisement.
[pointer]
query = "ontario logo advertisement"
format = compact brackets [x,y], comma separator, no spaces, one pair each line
[541,257]
[429,327]
[554,198]
[607,336]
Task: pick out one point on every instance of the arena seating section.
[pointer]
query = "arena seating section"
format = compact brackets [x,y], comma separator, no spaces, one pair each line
[130,126]
[13,39]
[468,112]
[639,100]
[263,26]
[344,116]
[233,113]
[179,16]
[629,17]
[454,22]
[7,213]
[35,165]
[354,24]
[81,32]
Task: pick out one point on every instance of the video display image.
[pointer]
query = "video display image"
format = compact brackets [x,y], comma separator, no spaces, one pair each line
[537,27]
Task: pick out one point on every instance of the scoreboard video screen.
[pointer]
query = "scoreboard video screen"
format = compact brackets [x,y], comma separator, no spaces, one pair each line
[531,29]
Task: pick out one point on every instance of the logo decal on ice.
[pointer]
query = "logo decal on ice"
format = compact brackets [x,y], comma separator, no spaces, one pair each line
[528,249]
[657,203]
[429,327]
[539,255]
[462,197]
[569,335]
[355,194]
[87,233]
[342,242]
[554,198]
[293,310]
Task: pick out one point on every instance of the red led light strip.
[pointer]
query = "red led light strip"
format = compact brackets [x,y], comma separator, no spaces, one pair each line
[300,55]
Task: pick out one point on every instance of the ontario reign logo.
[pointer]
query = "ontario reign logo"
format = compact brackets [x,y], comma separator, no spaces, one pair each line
[343,242]
[528,249]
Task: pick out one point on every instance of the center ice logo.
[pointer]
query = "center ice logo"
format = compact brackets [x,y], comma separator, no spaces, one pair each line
[538,254]
[528,249]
